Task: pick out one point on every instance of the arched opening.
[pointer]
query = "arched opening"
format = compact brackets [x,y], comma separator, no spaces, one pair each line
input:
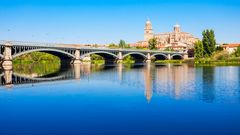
[53,55]
[97,59]
[159,57]
[109,58]
[136,57]
[177,57]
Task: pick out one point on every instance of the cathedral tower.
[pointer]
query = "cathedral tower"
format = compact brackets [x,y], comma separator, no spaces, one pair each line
[148,31]
[177,28]
[177,32]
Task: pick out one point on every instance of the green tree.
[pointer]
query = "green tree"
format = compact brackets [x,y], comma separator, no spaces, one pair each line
[209,42]
[219,48]
[152,43]
[198,50]
[237,52]
[122,44]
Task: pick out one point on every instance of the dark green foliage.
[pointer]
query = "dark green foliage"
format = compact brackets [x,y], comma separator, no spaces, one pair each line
[219,48]
[152,43]
[198,50]
[208,42]
[237,52]
[122,44]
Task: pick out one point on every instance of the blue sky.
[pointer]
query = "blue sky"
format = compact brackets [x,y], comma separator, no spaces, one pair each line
[106,21]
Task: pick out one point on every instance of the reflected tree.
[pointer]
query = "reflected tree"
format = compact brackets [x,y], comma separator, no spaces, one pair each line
[208,94]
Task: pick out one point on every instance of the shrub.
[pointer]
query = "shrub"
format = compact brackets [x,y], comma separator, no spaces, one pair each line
[222,55]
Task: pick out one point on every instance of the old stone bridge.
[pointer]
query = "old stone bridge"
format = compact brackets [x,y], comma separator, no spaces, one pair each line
[75,54]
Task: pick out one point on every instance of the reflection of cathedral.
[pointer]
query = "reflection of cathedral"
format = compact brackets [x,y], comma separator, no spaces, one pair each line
[148,82]
[176,40]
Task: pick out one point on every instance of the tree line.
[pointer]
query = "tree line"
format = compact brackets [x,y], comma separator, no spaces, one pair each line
[206,47]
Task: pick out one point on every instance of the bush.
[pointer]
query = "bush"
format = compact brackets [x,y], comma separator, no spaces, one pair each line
[237,52]
[222,55]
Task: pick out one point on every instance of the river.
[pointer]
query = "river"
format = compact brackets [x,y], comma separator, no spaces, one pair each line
[120,99]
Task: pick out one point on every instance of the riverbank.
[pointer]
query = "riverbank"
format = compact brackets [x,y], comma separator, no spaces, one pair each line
[204,62]
[211,62]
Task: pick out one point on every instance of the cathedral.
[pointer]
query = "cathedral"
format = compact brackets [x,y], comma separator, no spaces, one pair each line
[176,40]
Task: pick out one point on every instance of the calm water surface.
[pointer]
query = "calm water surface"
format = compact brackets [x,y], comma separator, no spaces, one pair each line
[120,99]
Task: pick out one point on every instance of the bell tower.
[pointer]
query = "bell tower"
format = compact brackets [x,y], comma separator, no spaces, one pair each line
[177,31]
[148,31]
[177,28]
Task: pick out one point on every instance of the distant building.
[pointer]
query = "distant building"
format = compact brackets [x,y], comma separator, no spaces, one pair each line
[176,40]
[231,48]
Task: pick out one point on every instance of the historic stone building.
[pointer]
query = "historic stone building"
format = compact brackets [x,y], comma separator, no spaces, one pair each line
[176,40]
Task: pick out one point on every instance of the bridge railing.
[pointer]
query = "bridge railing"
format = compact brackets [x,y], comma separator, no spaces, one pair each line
[75,46]
[22,43]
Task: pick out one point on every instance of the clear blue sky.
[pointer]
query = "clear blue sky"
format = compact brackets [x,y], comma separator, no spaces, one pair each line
[105,21]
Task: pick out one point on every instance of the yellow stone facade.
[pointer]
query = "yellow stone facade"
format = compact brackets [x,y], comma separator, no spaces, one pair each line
[176,39]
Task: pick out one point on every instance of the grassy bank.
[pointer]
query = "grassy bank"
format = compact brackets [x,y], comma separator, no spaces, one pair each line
[204,62]
[211,62]
[170,61]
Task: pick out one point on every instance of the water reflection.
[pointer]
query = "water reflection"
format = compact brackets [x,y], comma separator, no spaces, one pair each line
[208,84]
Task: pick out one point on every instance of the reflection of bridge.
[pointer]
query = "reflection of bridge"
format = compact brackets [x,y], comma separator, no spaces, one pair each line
[11,78]
[68,53]
[152,79]
[169,80]
[8,77]
[111,73]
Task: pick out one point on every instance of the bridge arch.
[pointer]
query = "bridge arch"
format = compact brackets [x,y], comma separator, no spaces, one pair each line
[160,56]
[177,57]
[64,56]
[138,57]
[108,56]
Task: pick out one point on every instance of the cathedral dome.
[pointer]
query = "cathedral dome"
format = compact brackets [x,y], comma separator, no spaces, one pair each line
[176,25]
[148,22]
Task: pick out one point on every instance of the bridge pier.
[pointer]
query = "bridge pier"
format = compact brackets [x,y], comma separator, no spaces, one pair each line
[148,58]
[77,59]
[8,78]
[169,57]
[120,57]
[7,56]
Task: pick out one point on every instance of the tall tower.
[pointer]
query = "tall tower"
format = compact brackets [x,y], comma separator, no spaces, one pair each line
[148,31]
[177,28]
[177,31]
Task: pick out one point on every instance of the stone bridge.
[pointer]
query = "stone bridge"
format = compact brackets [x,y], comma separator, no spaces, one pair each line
[75,54]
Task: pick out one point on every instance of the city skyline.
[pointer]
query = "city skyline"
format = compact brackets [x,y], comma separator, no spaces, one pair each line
[108,21]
